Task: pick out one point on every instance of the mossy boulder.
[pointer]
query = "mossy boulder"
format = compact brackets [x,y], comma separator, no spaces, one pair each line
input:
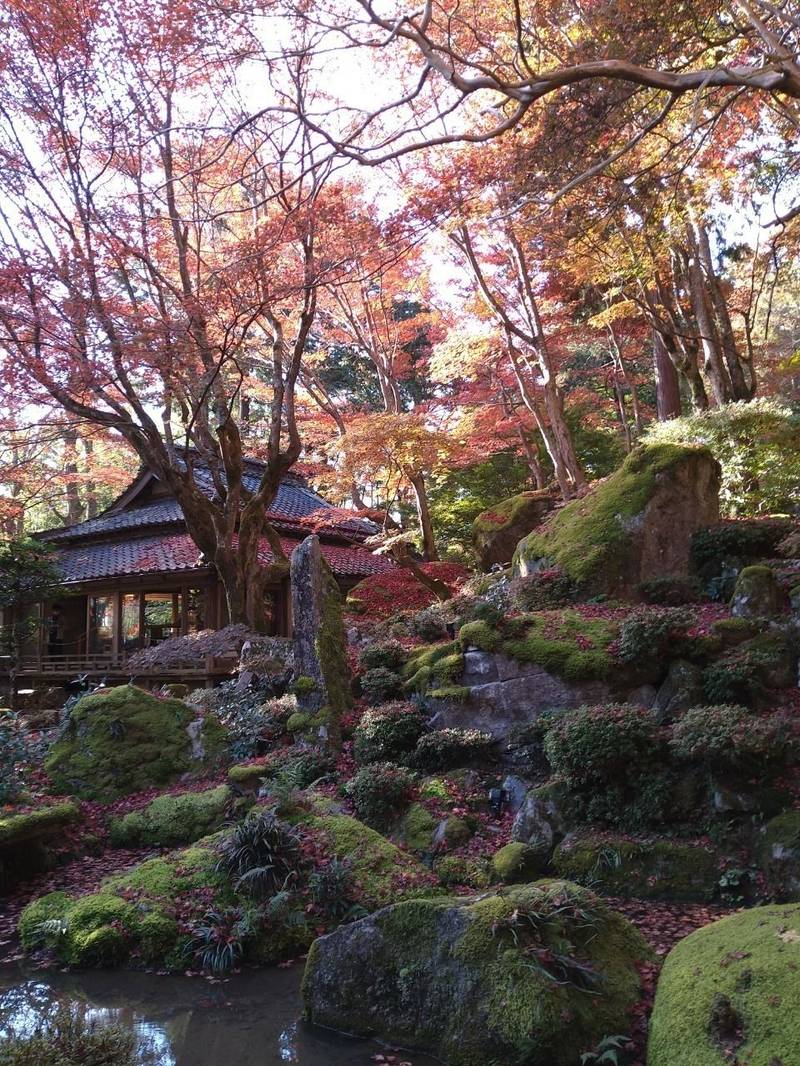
[124,740]
[417,829]
[455,976]
[757,594]
[644,869]
[635,523]
[496,532]
[172,820]
[731,991]
[779,854]
[516,861]
[463,870]
[26,840]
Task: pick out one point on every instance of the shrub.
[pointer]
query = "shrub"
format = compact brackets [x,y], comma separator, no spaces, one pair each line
[252,719]
[380,685]
[449,749]
[68,1038]
[670,591]
[602,745]
[745,539]
[429,625]
[391,655]
[756,443]
[649,632]
[730,738]
[260,855]
[388,733]
[380,793]
[334,891]
[543,590]
[17,751]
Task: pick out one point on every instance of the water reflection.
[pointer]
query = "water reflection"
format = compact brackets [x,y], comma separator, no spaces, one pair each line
[249,1020]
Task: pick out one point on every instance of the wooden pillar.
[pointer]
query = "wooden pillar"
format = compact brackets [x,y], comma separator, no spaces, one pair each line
[116,632]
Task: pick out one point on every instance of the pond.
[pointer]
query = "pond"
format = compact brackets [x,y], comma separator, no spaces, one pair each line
[251,1019]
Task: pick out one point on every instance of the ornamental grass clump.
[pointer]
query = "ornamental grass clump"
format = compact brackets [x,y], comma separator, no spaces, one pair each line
[261,855]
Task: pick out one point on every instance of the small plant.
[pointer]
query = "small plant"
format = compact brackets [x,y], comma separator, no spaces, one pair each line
[649,632]
[387,733]
[333,890]
[390,654]
[429,625]
[252,719]
[218,941]
[261,855]
[449,749]
[609,1052]
[380,793]
[16,751]
[380,685]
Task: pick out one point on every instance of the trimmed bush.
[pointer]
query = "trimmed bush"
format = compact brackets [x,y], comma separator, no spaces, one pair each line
[729,738]
[381,793]
[449,749]
[543,591]
[381,684]
[649,632]
[670,591]
[387,733]
[390,655]
[607,744]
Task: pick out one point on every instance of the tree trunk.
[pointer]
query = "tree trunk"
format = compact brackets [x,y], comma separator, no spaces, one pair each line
[668,389]
[438,588]
[429,552]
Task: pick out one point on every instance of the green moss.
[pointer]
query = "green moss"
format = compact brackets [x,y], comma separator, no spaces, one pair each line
[564,643]
[172,820]
[645,869]
[331,647]
[516,862]
[456,693]
[18,828]
[418,828]
[299,722]
[442,663]
[435,788]
[159,936]
[479,634]
[749,962]
[303,686]
[249,774]
[461,870]
[510,511]
[41,912]
[587,538]
[126,740]
[382,871]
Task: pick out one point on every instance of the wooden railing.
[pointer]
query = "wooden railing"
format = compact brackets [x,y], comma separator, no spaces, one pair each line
[100,664]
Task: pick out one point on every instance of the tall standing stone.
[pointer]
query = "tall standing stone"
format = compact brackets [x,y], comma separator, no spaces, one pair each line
[323,685]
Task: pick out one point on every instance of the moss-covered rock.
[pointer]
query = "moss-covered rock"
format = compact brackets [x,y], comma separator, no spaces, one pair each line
[172,820]
[433,666]
[645,869]
[455,977]
[779,855]
[463,870]
[26,840]
[731,990]
[757,594]
[635,523]
[516,862]
[126,740]
[417,829]
[496,532]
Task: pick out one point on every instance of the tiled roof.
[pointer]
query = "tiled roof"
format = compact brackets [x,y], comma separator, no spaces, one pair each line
[177,553]
[294,506]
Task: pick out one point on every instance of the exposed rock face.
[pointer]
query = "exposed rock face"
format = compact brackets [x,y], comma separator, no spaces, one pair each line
[319,639]
[751,960]
[636,523]
[779,854]
[681,689]
[757,594]
[505,694]
[497,532]
[450,976]
[543,820]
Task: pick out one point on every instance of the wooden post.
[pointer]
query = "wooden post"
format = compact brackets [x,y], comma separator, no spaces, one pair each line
[116,631]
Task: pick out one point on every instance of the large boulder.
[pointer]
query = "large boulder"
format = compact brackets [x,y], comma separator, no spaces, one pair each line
[320,643]
[496,532]
[681,689]
[124,740]
[635,523]
[779,855]
[731,992]
[537,973]
[757,594]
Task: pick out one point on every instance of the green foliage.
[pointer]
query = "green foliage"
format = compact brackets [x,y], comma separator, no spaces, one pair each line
[429,624]
[19,752]
[380,793]
[745,672]
[334,890]
[387,734]
[670,591]
[261,855]
[66,1038]
[648,633]
[440,664]
[609,1052]
[448,749]
[390,655]
[219,940]
[381,684]
[543,590]
[732,739]
[124,740]
[172,820]
[252,720]
[756,443]
[734,543]
[28,573]
[603,745]
[565,643]
[588,537]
